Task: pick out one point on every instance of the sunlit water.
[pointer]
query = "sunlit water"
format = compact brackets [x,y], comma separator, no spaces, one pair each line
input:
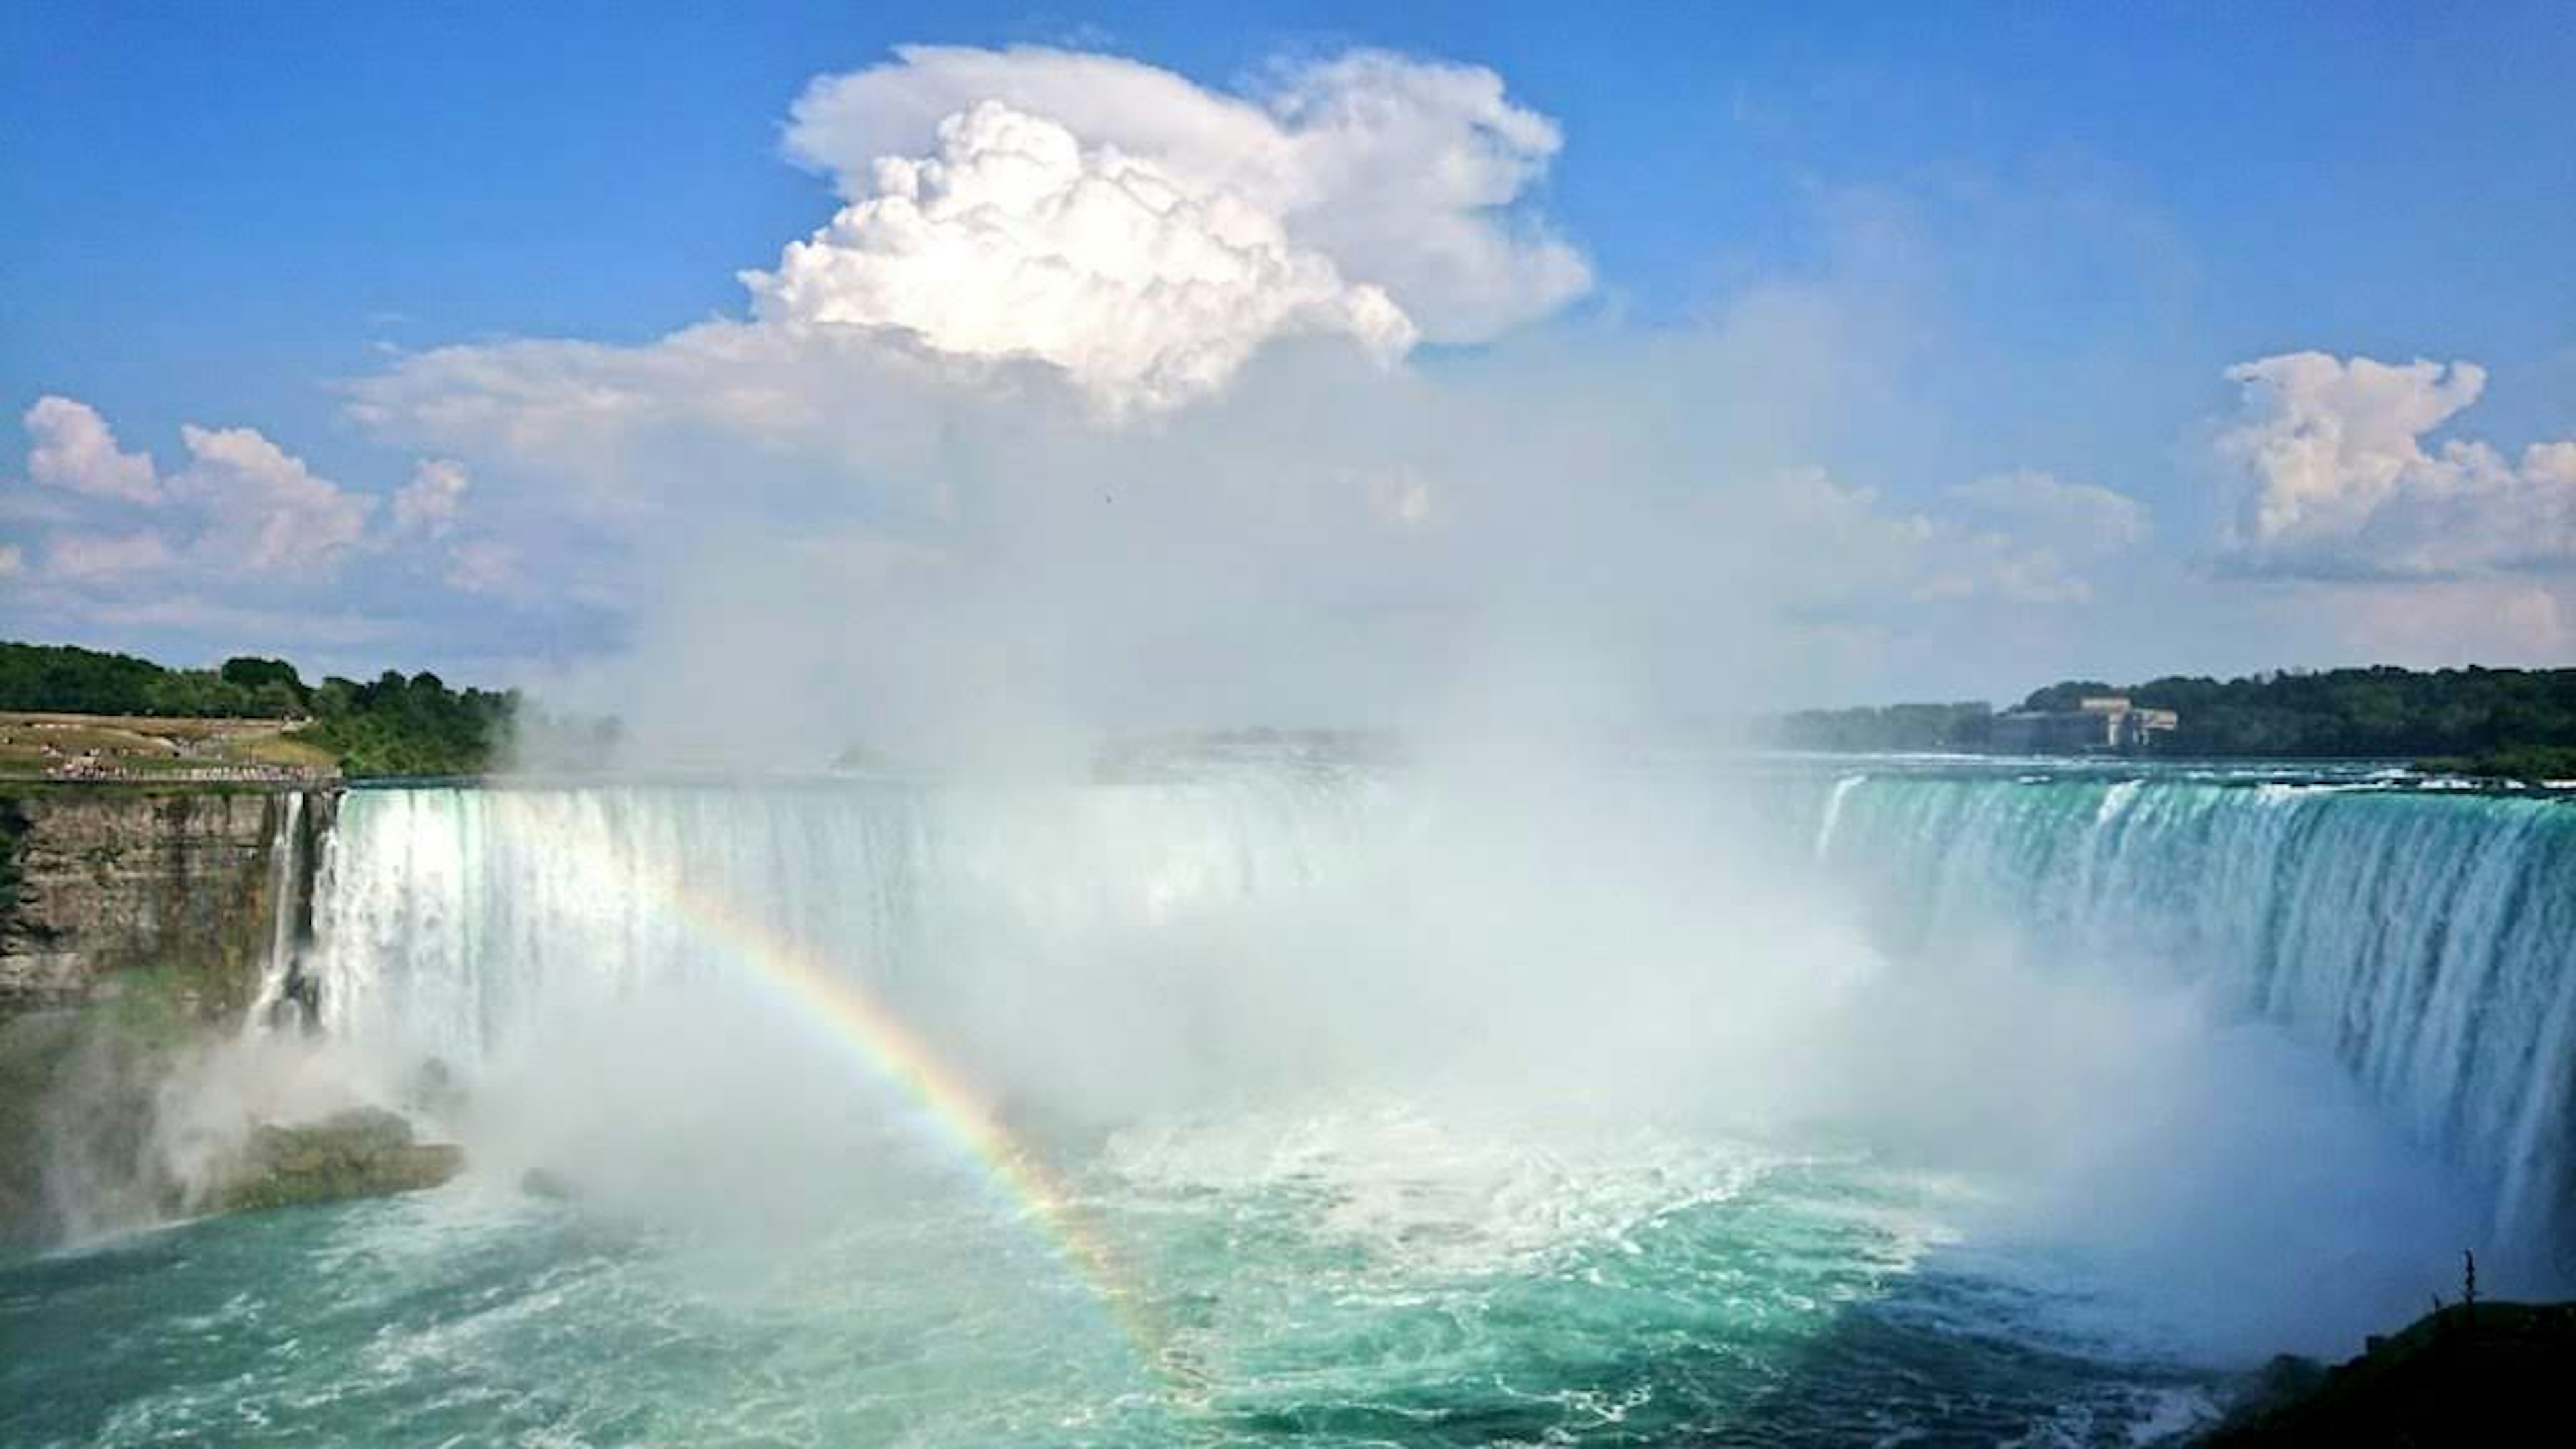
[1281,1291]
[1503,1232]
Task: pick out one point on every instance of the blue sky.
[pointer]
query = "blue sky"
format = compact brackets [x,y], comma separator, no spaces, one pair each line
[2057,228]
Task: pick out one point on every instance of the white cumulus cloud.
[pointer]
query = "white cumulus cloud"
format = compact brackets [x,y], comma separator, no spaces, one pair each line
[241,507]
[1048,218]
[72,448]
[243,540]
[2337,481]
[1016,239]
[1408,175]
[264,510]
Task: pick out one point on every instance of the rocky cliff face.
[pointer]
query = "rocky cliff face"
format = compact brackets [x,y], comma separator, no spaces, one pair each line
[136,926]
[99,882]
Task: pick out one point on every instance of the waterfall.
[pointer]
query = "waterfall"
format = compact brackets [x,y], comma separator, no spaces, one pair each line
[2427,938]
[288,902]
[2422,938]
[1834,814]
[444,915]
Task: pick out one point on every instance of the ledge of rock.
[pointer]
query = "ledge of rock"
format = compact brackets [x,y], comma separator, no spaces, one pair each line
[366,1152]
[2488,1373]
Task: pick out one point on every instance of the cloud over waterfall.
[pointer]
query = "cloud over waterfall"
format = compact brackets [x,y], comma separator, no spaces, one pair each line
[1412,176]
[1078,409]
[1016,239]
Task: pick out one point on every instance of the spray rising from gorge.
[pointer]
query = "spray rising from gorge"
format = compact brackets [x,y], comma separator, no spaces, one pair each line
[1081,959]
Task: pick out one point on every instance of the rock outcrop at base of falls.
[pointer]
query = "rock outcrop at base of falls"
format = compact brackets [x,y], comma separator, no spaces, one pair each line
[363,1152]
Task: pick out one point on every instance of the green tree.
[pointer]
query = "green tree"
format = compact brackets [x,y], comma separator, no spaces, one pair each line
[257,675]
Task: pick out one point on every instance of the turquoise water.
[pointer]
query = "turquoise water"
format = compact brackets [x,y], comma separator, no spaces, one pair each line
[1705,1297]
[1799,1103]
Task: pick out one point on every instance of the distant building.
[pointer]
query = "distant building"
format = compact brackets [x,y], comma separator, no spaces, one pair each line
[2101,724]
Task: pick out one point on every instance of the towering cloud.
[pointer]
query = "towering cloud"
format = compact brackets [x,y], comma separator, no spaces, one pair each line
[1029,215]
[2336,480]
[1408,175]
[1147,286]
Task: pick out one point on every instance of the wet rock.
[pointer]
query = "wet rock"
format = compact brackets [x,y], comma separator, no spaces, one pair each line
[366,1152]
[545,1183]
[435,1091]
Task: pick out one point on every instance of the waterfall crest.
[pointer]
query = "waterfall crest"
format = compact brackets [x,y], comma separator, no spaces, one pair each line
[444,915]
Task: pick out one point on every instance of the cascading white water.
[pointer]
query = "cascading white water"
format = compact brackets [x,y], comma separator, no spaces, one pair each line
[2425,937]
[2421,938]
[446,917]
[285,860]
[1834,812]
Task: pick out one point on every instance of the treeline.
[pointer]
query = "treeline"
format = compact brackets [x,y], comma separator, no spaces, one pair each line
[2503,721]
[2383,712]
[394,725]
[412,726]
[85,681]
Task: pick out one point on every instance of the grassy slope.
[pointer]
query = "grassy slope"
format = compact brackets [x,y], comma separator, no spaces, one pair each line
[144,746]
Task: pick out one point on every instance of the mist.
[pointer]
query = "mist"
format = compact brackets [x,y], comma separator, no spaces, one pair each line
[1574,985]
[1432,541]
[1524,567]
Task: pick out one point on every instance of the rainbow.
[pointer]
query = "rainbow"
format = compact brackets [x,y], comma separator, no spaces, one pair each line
[870,1031]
